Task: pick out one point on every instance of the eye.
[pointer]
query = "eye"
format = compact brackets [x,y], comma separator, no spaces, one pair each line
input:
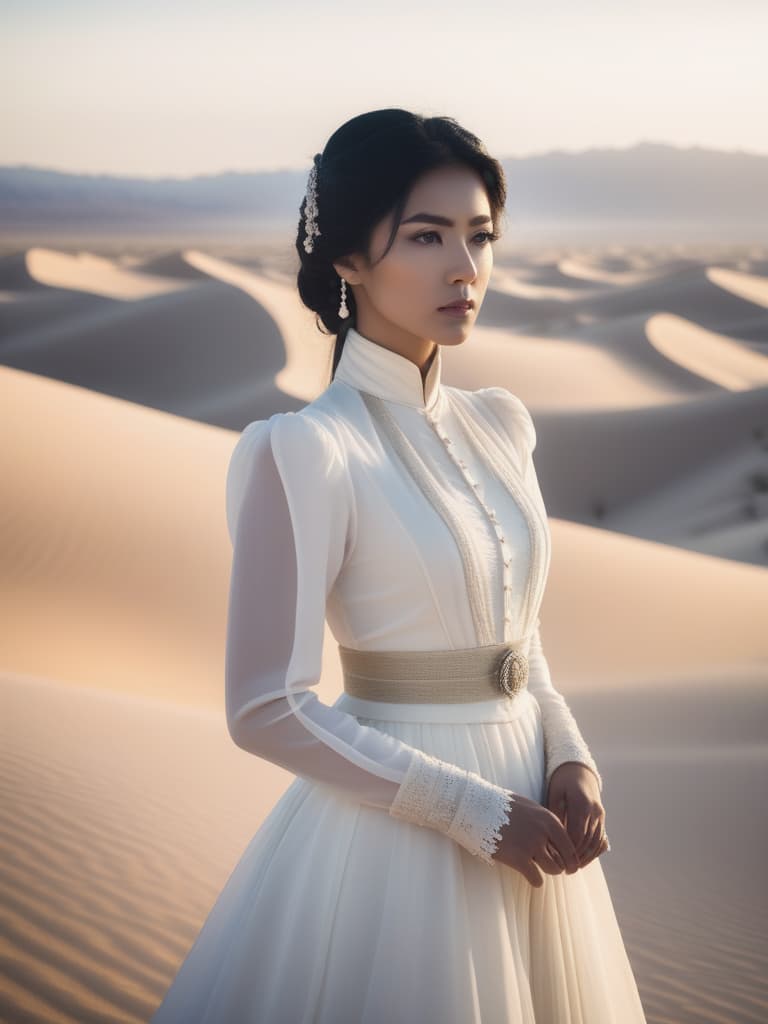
[425,234]
[490,236]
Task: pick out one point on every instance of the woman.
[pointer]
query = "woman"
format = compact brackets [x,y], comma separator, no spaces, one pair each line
[436,860]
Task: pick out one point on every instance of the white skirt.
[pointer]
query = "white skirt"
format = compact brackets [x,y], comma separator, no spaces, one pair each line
[338,913]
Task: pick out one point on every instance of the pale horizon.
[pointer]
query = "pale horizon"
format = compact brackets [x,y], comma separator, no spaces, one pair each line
[277,168]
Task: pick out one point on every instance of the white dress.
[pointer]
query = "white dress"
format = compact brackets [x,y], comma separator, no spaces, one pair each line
[408,514]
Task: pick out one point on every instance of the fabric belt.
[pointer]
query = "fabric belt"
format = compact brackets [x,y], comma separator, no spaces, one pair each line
[437,677]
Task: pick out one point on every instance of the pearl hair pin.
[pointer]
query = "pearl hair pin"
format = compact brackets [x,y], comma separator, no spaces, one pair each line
[310,210]
[312,231]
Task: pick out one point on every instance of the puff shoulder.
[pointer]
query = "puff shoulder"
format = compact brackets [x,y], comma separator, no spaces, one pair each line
[512,412]
[302,443]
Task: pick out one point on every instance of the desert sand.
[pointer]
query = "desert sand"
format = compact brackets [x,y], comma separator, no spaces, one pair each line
[125,805]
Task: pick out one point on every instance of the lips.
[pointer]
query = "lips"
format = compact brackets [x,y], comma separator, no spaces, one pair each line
[462,304]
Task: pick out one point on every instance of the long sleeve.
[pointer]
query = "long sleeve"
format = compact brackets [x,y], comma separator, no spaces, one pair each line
[563,740]
[291,518]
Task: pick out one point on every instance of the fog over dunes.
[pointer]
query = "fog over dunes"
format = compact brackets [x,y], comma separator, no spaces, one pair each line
[648,192]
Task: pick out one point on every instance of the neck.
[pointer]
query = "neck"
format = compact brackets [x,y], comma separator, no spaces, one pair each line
[420,351]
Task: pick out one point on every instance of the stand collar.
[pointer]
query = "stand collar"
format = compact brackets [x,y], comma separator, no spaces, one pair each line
[370,367]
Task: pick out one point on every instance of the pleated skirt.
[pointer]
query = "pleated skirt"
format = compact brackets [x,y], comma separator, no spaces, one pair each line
[337,913]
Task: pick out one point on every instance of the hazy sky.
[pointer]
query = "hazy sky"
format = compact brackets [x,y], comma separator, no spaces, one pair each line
[165,87]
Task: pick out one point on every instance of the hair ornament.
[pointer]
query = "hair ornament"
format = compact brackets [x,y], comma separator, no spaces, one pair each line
[310,210]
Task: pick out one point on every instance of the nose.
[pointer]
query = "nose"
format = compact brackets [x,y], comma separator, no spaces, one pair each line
[465,269]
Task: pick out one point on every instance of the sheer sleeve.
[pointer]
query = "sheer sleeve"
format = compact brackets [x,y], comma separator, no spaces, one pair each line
[290,509]
[563,740]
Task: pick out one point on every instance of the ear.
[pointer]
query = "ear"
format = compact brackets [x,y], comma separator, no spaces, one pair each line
[347,268]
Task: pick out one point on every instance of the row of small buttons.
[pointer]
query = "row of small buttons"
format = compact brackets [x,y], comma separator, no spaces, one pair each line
[490,512]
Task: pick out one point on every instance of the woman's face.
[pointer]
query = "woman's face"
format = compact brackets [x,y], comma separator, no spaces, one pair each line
[429,265]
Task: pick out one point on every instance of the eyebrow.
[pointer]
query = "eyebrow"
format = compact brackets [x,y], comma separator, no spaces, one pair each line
[433,218]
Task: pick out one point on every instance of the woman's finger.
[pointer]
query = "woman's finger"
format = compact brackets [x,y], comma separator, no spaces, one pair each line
[549,860]
[555,855]
[560,810]
[594,825]
[594,845]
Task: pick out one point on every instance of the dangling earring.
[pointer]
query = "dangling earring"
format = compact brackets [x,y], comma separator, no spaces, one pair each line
[343,310]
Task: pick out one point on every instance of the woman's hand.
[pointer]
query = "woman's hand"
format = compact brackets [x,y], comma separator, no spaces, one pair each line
[574,797]
[534,840]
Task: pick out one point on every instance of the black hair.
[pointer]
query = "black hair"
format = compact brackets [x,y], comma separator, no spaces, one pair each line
[365,172]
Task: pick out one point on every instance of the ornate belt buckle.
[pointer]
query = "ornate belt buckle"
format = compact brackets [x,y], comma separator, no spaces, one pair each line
[513,672]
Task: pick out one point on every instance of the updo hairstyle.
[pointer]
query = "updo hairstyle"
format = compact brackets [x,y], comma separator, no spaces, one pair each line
[365,173]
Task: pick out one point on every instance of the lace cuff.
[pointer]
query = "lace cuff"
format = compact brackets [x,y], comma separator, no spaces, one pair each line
[565,743]
[457,802]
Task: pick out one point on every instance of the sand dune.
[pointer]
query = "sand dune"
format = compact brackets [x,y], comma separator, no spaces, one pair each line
[689,292]
[620,270]
[715,357]
[173,264]
[203,349]
[552,284]
[693,473]
[125,804]
[751,287]
[15,274]
[94,275]
[308,353]
[135,490]
[105,506]
[123,818]
[583,369]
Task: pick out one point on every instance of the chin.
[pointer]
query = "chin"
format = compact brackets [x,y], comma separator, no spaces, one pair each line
[457,338]
[456,330]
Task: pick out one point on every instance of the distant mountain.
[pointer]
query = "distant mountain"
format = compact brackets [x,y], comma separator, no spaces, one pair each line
[649,187]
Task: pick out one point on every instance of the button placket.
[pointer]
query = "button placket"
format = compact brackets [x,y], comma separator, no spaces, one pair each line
[490,513]
[427,481]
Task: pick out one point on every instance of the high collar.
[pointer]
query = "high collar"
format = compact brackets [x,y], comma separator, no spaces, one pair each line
[377,370]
